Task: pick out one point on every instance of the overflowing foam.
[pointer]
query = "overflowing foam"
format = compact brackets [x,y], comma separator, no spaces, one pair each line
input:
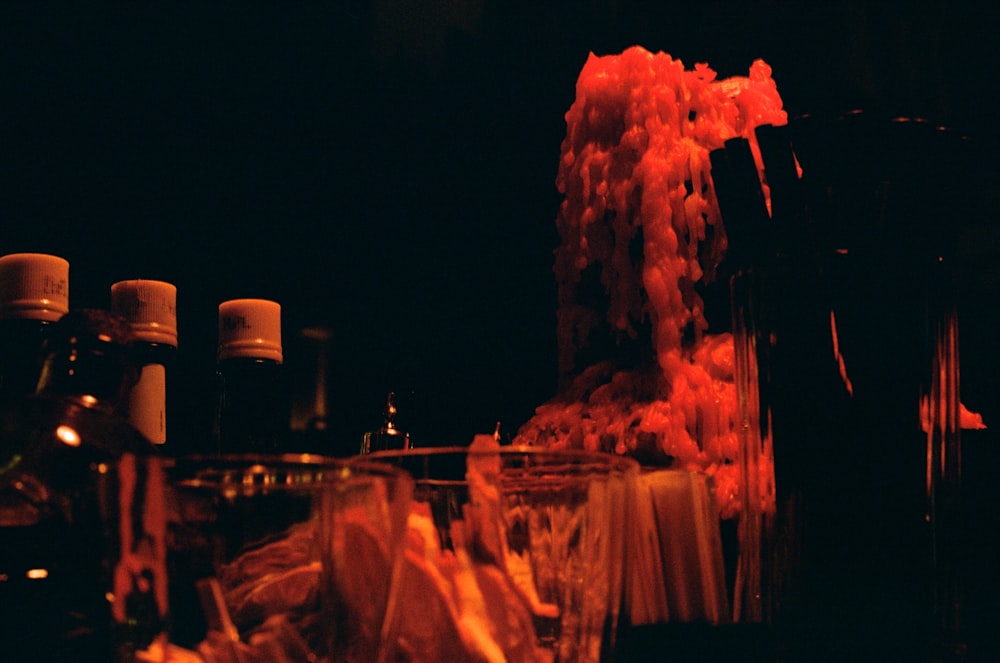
[640,371]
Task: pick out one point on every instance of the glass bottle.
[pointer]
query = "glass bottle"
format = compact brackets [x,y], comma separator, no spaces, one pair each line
[308,370]
[34,293]
[82,526]
[388,436]
[253,407]
[151,309]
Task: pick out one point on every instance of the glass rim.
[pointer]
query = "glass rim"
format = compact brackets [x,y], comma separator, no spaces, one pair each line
[291,471]
[571,456]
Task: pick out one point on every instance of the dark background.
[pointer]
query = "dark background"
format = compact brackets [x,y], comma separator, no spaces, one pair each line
[387,169]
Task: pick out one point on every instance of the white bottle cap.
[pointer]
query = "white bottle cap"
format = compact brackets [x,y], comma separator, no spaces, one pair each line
[34,286]
[150,307]
[250,328]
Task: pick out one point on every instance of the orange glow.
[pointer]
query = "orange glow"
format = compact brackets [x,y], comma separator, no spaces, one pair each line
[839,357]
[37,574]
[68,436]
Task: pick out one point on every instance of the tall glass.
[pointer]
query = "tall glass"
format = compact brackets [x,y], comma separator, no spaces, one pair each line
[847,371]
[675,570]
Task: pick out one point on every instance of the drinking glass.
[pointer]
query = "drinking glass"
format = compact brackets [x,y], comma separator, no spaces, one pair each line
[283,557]
[514,551]
[675,569]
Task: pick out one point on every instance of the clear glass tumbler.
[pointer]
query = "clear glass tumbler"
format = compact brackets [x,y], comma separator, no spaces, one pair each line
[283,557]
[513,551]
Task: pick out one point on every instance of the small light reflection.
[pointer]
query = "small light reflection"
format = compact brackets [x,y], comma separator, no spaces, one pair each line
[68,436]
[37,574]
[89,400]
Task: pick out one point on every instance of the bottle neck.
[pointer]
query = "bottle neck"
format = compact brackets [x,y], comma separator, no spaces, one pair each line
[89,378]
[144,352]
[253,411]
[21,344]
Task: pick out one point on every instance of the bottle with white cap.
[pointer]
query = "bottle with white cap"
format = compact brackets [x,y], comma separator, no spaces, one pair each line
[34,293]
[253,409]
[83,577]
[151,309]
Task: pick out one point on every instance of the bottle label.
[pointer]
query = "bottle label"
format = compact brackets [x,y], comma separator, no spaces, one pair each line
[147,403]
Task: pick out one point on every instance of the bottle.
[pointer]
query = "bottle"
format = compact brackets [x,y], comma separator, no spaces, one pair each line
[82,525]
[34,293]
[253,407]
[151,309]
[308,371]
[388,436]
